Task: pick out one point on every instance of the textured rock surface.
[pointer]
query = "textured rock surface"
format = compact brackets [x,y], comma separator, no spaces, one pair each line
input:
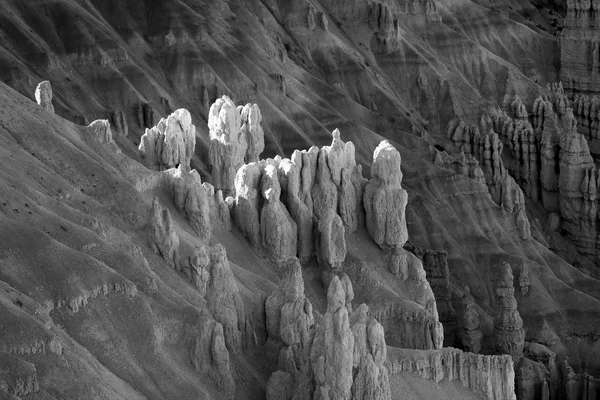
[385,200]
[163,238]
[43,95]
[255,136]
[509,336]
[228,145]
[347,354]
[371,378]
[491,377]
[247,196]
[277,228]
[170,143]
[435,265]
[100,128]
[225,302]
[289,319]
[118,55]
[470,331]
[580,54]
[487,148]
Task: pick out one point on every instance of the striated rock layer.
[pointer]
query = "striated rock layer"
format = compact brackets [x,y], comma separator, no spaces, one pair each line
[435,265]
[491,377]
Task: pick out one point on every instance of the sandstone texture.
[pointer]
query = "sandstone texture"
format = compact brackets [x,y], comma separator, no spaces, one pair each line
[90,308]
[43,96]
[163,238]
[385,200]
[470,331]
[509,336]
[170,143]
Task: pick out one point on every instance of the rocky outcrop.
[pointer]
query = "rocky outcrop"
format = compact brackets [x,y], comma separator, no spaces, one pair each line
[487,148]
[509,336]
[17,377]
[100,129]
[210,356]
[385,200]
[575,162]
[524,282]
[289,318]
[163,238]
[278,230]
[463,164]
[491,377]
[578,386]
[346,355]
[280,386]
[587,111]
[412,329]
[519,136]
[251,129]
[371,378]
[470,332]
[119,122]
[299,177]
[580,47]
[225,301]
[320,193]
[385,24]
[228,144]
[170,143]
[435,264]
[247,200]
[199,263]
[330,243]
[193,198]
[43,96]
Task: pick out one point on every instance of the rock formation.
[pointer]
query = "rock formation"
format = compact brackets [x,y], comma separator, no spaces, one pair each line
[277,229]
[43,96]
[210,356]
[289,319]
[491,377]
[435,264]
[470,332]
[170,143]
[509,336]
[346,355]
[228,144]
[330,242]
[524,282]
[225,302]
[280,386]
[316,195]
[117,118]
[247,196]
[299,201]
[255,136]
[193,198]
[462,164]
[575,162]
[163,238]
[487,148]
[385,200]
[578,386]
[371,378]
[579,44]
[199,263]
[100,128]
